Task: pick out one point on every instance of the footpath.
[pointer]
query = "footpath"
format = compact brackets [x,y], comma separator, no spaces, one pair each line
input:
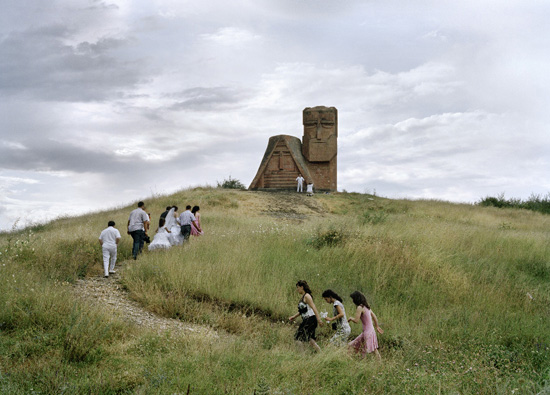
[110,293]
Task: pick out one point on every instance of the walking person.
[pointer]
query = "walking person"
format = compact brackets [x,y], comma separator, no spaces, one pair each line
[366,342]
[310,316]
[108,239]
[161,241]
[186,219]
[138,226]
[343,329]
[195,229]
[300,181]
[165,213]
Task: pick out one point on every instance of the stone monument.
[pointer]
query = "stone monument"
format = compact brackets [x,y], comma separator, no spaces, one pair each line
[314,157]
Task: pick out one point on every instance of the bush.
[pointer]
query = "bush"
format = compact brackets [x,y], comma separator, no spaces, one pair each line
[534,203]
[231,183]
[328,238]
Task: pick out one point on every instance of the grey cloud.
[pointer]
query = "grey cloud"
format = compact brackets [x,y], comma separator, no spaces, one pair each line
[209,99]
[36,63]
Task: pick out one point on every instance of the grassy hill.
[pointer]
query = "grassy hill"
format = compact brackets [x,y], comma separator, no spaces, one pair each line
[462,292]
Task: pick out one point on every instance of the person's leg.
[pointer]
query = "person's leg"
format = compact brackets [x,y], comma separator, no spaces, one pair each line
[186,231]
[105,261]
[314,344]
[135,247]
[141,240]
[113,253]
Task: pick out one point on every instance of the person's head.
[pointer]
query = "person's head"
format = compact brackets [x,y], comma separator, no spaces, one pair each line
[175,208]
[111,223]
[188,207]
[303,288]
[168,208]
[162,221]
[359,299]
[195,209]
[141,205]
[330,296]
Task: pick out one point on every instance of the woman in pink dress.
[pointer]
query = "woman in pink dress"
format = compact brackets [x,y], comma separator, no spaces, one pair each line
[194,230]
[366,342]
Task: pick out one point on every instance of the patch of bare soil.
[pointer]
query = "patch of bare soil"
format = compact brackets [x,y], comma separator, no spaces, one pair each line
[292,205]
[111,293]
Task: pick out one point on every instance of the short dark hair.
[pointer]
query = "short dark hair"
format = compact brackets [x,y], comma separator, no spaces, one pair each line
[359,299]
[188,207]
[168,208]
[141,204]
[111,223]
[175,208]
[329,293]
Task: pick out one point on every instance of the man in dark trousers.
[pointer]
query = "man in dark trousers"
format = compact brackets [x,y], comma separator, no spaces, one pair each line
[138,226]
[186,219]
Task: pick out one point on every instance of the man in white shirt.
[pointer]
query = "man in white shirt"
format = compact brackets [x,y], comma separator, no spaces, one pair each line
[108,239]
[186,219]
[300,180]
[138,225]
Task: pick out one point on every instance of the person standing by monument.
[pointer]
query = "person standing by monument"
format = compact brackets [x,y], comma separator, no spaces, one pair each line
[138,225]
[108,239]
[186,219]
[300,181]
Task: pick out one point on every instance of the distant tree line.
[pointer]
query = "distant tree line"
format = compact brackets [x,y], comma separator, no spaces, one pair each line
[534,202]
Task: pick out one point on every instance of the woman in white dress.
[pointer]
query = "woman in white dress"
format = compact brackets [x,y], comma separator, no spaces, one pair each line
[162,238]
[172,223]
[340,321]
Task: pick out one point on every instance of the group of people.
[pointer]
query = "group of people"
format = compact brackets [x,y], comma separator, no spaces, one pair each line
[300,185]
[174,229]
[365,343]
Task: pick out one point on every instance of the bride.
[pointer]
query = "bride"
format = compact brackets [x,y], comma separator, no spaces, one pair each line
[172,223]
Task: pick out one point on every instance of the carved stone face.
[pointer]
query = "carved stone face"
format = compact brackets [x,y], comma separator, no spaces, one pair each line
[320,133]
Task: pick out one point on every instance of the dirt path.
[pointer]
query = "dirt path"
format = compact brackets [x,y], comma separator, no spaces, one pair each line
[111,293]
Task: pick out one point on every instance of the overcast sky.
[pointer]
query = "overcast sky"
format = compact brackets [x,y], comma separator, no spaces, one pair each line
[106,102]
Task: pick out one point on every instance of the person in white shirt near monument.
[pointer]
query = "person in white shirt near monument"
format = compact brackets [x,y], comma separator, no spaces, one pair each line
[109,239]
[186,219]
[300,181]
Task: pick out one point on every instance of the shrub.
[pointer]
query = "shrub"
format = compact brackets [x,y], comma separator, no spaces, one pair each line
[374,217]
[534,203]
[328,238]
[231,183]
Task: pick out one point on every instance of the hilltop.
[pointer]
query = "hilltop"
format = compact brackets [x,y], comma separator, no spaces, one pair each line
[461,291]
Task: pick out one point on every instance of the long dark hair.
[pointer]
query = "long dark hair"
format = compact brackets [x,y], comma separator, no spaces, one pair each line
[303,283]
[359,299]
[162,221]
[195,209]
[329,293]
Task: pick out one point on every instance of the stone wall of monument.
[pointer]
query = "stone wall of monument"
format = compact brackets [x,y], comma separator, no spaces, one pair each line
[324,175]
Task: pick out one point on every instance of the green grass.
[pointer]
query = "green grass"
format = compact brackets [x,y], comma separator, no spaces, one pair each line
[462,292]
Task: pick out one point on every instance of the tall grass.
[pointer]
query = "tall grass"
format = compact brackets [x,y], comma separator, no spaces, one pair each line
[462,292]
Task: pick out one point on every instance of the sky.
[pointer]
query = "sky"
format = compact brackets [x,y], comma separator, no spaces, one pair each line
[104,103]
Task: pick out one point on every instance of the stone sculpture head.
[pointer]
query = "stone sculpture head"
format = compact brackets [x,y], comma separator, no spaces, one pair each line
[320,133]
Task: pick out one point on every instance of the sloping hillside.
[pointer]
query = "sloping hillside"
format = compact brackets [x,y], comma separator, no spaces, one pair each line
[461,291]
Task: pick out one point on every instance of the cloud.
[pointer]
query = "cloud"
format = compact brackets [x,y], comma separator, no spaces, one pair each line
[35,63]
[231,36]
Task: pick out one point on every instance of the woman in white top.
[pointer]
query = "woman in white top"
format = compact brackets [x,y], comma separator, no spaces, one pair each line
[341,324]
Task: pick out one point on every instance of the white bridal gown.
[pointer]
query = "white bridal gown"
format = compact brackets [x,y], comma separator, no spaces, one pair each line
[176,238]
[161,240]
